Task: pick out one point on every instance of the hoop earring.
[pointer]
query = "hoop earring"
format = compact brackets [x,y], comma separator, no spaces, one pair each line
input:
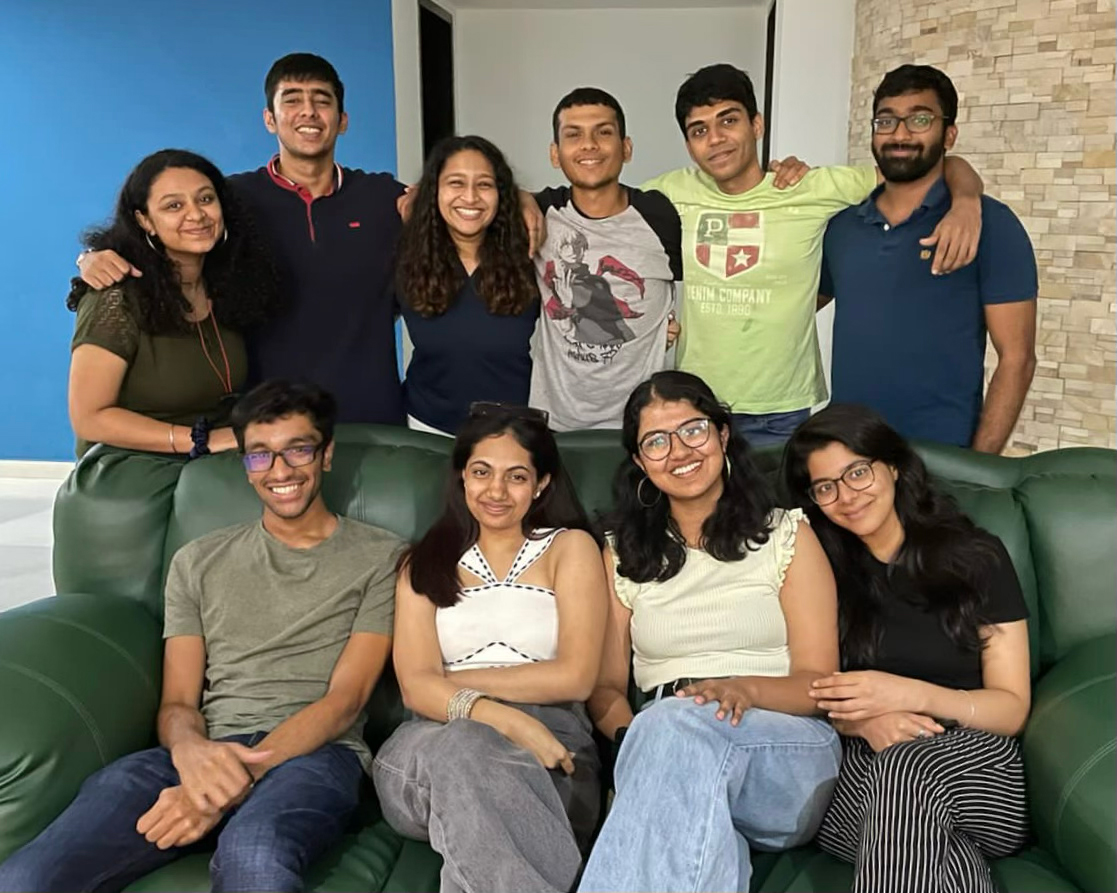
[728,467]
[225,238]
[640,493]
[147,236]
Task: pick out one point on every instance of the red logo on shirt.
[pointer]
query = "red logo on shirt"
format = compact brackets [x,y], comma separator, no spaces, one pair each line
[726,243]
[354,224]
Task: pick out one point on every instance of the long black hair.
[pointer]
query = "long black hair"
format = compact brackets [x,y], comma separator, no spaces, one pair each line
[433,561]
[429,274]
[647,541]
[945,555]
[239,275]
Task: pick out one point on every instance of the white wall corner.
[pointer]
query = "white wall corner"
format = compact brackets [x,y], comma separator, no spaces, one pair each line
[408,92]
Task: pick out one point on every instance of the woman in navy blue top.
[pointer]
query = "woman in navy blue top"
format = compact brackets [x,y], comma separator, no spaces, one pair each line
[466,286]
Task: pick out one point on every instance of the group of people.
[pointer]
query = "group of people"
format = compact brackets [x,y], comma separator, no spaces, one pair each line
[204,284]
[849,661]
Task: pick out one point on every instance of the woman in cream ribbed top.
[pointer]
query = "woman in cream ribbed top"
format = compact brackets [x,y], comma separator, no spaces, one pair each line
[726,606]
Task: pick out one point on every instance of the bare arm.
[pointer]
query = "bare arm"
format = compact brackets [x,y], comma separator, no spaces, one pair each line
[581,599]
[96,375]
[608,704]
[1012,329]
[351,683]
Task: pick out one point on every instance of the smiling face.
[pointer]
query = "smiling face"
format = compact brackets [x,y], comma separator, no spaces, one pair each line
[590,150]
[903,156]
[685,473]
[306,118]
[467,195]
[287,493]
[870,513]
[500,483]
[183,212]
[722,141]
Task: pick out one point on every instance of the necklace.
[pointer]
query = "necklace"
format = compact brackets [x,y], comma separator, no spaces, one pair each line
[226,379]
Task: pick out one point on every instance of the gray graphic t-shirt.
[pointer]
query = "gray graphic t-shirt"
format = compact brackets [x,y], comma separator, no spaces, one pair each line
[607,287]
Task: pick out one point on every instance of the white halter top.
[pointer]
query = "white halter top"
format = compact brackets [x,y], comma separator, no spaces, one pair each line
[500,623]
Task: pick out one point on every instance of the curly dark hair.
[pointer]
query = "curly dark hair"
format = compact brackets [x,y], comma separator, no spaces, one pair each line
[239,274]
[433,561]
[949,558]
[429,274]
[647,540]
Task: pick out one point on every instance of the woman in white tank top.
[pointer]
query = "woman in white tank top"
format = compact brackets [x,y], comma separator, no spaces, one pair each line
[725,605]
[500,615]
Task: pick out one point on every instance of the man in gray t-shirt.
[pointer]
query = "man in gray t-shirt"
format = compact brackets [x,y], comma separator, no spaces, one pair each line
[276,632]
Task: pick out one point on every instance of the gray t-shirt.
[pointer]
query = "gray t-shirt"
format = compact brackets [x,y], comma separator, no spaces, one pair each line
[275,619]
[607,286]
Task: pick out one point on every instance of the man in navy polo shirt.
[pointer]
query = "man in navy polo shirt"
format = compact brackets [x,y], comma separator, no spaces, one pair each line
[908,343]
[332,231]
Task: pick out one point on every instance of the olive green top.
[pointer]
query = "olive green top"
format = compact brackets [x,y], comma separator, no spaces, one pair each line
[168,376]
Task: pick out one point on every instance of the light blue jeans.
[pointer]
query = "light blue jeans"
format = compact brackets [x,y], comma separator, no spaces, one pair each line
[694,793]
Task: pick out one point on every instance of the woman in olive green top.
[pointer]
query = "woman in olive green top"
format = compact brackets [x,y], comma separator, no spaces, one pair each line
[154,356]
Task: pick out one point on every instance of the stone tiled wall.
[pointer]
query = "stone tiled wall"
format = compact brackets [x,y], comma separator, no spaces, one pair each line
[1035,80]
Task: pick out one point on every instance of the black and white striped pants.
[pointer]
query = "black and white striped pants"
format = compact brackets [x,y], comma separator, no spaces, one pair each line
[921,816]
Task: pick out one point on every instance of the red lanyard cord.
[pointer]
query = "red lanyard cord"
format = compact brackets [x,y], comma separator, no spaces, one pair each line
[226,379]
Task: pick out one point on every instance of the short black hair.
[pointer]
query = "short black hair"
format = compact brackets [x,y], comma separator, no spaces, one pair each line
[915,78]
[587,96]
[715,83]
[279,398]
[302,67]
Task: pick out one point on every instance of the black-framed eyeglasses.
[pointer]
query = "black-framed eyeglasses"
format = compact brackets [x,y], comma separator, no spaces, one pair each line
[859,476]
[916,122]
[487,408]
[656,445]
[295,456]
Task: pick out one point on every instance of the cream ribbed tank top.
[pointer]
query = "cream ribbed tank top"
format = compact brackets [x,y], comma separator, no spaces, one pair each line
[714,618]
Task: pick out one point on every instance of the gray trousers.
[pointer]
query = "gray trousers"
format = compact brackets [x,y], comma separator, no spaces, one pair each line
[502,823]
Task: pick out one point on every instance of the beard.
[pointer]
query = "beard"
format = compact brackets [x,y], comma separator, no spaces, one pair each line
[915,167]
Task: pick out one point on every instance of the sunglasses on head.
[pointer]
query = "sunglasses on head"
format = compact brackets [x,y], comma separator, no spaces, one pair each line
[482,408]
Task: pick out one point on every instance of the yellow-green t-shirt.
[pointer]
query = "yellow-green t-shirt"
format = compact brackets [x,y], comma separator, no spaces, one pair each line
[750,269]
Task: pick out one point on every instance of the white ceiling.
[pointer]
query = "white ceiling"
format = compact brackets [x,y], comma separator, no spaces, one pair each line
[595,4]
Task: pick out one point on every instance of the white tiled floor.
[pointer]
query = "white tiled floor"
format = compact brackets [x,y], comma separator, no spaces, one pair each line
[25,539]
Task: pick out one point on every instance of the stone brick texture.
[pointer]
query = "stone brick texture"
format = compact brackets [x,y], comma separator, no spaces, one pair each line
[1036,118]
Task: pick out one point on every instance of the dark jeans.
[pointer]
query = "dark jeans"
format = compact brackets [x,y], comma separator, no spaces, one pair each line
[767,428]
[294,813]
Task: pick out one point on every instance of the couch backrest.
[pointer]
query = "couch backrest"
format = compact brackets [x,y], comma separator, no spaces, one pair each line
[121,515]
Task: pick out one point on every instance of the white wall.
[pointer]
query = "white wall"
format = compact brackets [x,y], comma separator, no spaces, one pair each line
[810,96]
[513,65]
[408,94]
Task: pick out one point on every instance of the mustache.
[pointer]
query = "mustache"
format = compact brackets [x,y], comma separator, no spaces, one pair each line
[888,147]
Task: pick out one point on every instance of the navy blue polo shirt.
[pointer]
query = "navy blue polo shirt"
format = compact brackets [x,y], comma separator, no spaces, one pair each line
[464,355]
[906,343]
[336,257]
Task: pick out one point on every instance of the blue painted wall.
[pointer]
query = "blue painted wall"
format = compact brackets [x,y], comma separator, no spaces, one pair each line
[92,88]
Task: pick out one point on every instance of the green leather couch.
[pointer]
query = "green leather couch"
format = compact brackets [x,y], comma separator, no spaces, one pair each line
[80,673]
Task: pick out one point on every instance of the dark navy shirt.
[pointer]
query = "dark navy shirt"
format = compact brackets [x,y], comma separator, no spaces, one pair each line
[464,355]
[335,255]
[906,343]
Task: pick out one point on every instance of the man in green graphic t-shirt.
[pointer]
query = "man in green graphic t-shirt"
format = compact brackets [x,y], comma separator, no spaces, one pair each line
[752,253]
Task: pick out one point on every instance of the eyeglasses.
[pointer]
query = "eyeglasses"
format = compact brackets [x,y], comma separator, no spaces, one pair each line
[859,476]
[263,460]
[917,122]
[656,445]
[486,408]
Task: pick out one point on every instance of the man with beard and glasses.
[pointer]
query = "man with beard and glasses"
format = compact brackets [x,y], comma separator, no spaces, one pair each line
[907,342]
[276,632]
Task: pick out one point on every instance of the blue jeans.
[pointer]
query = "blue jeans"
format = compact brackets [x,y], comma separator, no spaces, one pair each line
[768,428]
[294,813]
[695,793]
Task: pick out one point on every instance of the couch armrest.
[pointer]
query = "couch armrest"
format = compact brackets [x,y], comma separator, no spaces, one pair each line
[79,687]
[1070,760]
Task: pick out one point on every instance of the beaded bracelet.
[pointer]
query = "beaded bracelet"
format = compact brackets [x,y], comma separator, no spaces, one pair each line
[461,703]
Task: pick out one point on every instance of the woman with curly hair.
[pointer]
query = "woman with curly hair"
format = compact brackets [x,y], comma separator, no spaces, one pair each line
[724,604]
[157,361]
[934,638]
[466,286]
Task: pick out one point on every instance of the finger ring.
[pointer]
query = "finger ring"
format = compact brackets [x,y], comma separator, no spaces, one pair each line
[922,733]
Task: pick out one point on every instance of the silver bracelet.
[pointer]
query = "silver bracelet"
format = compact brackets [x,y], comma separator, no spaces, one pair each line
[461,703]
